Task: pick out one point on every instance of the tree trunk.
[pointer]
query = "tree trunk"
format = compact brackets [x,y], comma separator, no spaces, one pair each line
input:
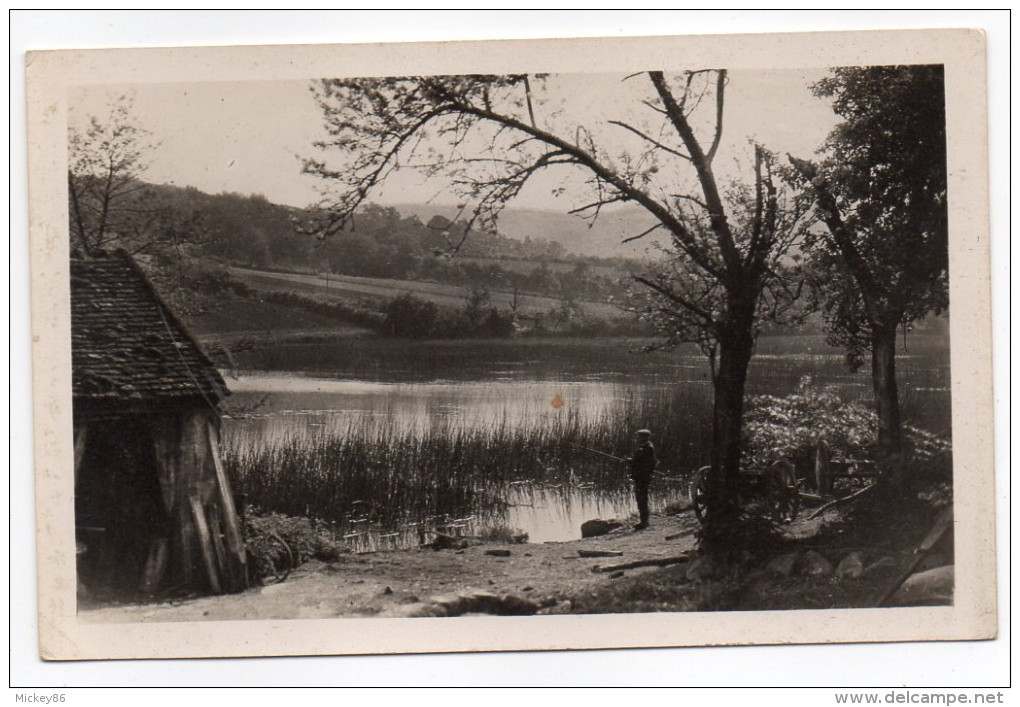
[883,380]
[735,348]
[889,453]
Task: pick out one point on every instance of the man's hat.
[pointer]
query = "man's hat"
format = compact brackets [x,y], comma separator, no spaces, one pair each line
[647,433]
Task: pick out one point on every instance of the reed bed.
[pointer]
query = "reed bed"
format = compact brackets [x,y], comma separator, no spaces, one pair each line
[393,477]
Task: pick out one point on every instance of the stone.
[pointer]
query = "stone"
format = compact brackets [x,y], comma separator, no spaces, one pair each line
[884,564]
[851,566]
[594,528]
[414,610]
[498,552]
[814,565]
[932,560]
[483,603]
[928,588]
[704,567]
[782,565]
[500,605]
[616,575]
[563,607]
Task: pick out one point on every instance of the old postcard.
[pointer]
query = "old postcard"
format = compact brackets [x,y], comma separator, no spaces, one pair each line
[519,345]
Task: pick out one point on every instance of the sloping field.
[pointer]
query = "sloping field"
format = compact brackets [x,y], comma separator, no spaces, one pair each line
[248,316]
[353,288]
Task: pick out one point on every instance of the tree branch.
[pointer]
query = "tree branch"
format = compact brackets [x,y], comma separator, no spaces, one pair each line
[841,236]
[631,239]
[586,159]
[719,96]
[702,164]
[678,299]
[653,141]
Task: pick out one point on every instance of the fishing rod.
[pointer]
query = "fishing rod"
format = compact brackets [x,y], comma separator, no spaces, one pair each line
[596,451]
[611,456]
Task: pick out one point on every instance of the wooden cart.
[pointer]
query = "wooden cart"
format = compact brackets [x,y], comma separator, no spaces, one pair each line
[779,491]
[774,489]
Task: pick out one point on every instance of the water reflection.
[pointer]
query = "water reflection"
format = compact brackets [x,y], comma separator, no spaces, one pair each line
[272,408]
[544,513]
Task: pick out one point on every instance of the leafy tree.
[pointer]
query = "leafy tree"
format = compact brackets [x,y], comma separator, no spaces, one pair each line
[489,136]
[476,308]
[880,191]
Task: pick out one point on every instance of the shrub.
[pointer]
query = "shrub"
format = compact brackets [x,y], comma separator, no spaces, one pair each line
[410,316]
[503,534]
[789,427]
[276,543]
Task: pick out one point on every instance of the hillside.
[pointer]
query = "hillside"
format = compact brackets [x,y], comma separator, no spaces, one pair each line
[572,233]
[359,289]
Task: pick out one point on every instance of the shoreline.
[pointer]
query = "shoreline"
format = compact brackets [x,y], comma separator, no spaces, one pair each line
[388,582]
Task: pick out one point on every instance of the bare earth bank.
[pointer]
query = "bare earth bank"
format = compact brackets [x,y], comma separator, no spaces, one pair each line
[390,582]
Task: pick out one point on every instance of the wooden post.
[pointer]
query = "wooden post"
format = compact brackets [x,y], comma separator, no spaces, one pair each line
[231,524]
[155,566]
[208,558]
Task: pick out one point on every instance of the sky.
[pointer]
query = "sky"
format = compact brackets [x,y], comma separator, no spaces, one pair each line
[248,136]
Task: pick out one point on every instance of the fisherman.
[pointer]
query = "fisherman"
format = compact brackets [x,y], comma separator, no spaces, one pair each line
[642,466]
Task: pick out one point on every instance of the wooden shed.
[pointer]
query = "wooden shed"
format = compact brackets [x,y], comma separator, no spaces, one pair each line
[154,511]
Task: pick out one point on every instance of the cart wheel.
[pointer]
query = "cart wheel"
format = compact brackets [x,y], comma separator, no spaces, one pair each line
[782,494]
[823,468]
[699,492]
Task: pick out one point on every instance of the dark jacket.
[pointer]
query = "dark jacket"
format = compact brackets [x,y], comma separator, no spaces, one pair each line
[643,463]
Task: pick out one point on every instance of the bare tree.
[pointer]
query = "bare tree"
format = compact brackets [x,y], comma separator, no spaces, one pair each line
[105,163]
[490,135]
[111,206]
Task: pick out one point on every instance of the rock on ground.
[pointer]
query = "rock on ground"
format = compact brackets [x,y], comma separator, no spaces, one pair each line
[597,526]
[814,565]
[851,566]
[782,565]
[470,603]
[704,567]
[934,586]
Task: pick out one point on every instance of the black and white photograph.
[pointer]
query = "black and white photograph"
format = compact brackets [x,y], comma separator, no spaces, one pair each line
[451,343]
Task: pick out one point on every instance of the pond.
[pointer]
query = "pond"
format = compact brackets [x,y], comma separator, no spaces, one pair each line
[387,442]
[276,411]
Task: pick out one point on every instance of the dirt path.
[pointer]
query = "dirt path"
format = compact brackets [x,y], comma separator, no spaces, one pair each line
[384,582]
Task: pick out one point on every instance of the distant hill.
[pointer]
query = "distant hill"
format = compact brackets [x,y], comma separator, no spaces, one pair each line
[603,239]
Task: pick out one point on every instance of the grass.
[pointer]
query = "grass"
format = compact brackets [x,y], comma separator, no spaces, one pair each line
[393,478]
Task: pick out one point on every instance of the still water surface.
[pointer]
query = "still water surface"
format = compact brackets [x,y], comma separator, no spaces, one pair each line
[275,408]
[454,388]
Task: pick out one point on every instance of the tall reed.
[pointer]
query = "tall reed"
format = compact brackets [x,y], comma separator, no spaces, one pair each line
[397,476]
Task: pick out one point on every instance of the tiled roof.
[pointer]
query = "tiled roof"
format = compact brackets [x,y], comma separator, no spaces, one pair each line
[126,345]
